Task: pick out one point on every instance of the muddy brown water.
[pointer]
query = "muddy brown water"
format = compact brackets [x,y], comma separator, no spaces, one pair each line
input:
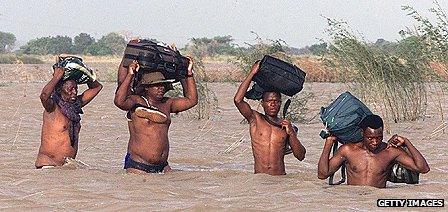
[213,159]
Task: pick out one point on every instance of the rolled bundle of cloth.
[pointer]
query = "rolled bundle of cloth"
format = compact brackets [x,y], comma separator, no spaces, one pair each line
[74,69]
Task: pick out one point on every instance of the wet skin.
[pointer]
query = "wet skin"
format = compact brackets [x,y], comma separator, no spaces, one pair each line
[148,142]
[268,141]
[55,140]
[369,162]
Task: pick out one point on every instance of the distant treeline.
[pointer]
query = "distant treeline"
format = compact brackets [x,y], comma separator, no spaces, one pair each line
[114,44]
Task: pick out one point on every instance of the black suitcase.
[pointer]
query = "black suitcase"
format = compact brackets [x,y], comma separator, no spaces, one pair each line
[276,75]
[151,56]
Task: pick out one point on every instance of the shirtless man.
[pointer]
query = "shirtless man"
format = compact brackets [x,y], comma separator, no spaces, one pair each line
[269,134]
[61,119]
[148,145]
[369,161]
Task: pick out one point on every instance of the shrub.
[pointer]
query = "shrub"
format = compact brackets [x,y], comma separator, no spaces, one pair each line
[13,59]
[392,82]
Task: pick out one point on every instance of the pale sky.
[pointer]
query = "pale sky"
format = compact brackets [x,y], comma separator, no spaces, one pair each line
[298,22]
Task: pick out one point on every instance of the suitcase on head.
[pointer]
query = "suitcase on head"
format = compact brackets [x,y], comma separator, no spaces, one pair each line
[276,75]
[154,57]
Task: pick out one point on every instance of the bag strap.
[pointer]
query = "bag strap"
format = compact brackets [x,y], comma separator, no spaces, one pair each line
[343,177]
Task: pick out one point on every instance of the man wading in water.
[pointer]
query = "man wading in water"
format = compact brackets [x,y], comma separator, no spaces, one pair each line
[369,161]
[269,134]
[61,118]
[150,117]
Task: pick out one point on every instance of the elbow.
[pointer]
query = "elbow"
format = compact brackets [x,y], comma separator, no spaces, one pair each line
[321,176]
[195,101]
[118,103]
[425,170]
[299,156]
[43,97]
[237,101]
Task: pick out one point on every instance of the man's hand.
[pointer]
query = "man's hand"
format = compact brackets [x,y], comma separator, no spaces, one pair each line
[133,67]
[331,139]
[58,72]
[190,67]
[255,67]
[396,141]
[287,126]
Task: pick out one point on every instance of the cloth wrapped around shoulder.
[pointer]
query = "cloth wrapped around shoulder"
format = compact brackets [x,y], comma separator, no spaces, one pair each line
[75,69]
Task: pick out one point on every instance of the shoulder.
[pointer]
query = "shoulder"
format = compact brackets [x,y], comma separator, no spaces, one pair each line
[348,148]
[395,151]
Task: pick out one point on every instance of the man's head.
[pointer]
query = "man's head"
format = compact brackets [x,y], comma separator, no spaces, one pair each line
[68,90]
[271,102]
[155,85]
[372,130]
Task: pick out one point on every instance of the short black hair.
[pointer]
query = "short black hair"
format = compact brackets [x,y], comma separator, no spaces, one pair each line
[276,92]
[371,121]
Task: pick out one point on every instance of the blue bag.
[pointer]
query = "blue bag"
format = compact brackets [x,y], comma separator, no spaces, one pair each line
[342,117]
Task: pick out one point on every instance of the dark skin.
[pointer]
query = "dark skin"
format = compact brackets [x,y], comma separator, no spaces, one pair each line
[268,141]
[369,162]
[55,140]
[148,142]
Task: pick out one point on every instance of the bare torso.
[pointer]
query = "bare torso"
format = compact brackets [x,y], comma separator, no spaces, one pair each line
[55,140]
[367,168]
[148,142]
[268,146]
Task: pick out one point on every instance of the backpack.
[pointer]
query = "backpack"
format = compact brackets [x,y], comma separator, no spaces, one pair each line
[276,75]
[152,57]
[74,69]
[342,117]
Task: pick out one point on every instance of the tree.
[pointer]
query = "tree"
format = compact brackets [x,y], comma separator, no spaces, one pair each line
[318,49]
[111,43]
[48,45]
[7,41]
[82,42]
[218,45]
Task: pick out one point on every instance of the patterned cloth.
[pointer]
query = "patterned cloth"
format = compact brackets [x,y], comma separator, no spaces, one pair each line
[72,111]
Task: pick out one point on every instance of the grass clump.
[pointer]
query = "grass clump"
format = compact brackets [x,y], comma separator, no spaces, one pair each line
[393,80]
[19,59]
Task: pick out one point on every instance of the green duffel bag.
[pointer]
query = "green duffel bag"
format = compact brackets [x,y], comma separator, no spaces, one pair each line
[342,117]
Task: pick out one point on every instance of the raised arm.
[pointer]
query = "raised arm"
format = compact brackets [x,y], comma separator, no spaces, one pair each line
[297,148]
[242,105]
[87,96]
[327,166]
[414,160]
[122,98]
[190,92]
[45,96]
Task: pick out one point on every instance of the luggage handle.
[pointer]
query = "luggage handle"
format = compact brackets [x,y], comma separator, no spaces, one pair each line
[343,177]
